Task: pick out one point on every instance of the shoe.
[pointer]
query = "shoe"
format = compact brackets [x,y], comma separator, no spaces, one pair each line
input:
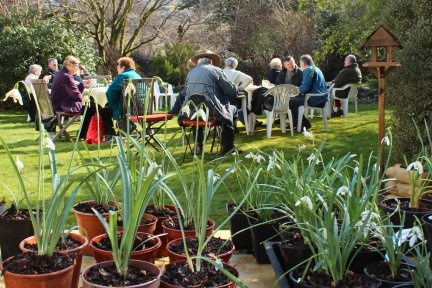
[236,131]
[289,128]
[307,126]
[258,123]
[226,149]
[276,121]
[337,113]
[198,149]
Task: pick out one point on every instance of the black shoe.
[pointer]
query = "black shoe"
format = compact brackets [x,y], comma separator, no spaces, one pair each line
[337,113]
[289,128]
[307,126]
[225,149]
[258,123]
[276,121]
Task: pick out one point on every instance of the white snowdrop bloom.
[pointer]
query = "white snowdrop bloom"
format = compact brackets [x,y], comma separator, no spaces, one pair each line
[19,163]
[307,134]
[272,164]
[415,234]
[215,179]
[202,114]
[152,166]
[250,155]
[306,200]
[259,158]
[342,191]
[417,166]
[386,140]
[302,147]
[15,95]
[48,143]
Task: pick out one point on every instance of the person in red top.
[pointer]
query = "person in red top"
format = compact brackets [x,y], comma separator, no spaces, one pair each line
[66,95]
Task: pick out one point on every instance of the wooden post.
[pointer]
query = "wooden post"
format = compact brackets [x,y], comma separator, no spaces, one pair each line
[381,114]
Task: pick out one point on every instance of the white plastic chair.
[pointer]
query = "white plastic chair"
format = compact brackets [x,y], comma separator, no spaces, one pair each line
[282,94]
[352,96]
[304,109]
[172,95]
[157,95]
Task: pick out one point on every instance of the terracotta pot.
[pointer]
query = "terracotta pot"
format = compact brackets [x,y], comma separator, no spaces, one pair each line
[62,278]
[162,252]
[136,263]
[181,257]
[90,223]
[173,234]
[148,255]
[78,251]
[173,265]
[145,228]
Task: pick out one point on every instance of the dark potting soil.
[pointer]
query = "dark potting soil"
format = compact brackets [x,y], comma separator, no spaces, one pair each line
[15,214]
[86,207]
[164,212]
[30,263]
[351,280]
[174,224]
[144,221]
[382,271]
[68,244]
[404,205]
[108,276]
[105,243]
[210,250]
[178,274]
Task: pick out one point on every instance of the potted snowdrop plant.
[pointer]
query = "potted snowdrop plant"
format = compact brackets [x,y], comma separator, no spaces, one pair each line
[48,221]
[199,190]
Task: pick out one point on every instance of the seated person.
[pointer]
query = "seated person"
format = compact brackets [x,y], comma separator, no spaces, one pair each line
[114,93]
[34,73]
[67,96]
[52,71]
[313,82]
[349,74]
[275,68]
[240,79]
[208,74]
[83,72]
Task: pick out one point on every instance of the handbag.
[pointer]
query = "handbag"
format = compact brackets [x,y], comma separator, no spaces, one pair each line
[95,134]
[48,123]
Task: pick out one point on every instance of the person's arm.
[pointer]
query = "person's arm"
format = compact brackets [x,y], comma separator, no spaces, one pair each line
[72,89]
[227,86]
[245,80]
[306,82]
[340,79]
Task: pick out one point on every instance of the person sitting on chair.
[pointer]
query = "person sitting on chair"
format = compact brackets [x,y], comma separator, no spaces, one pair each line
[208,76]
[275,68]
[313,82]
[67,96]
[35,71]
[350,74]
[52,71]
[241,80]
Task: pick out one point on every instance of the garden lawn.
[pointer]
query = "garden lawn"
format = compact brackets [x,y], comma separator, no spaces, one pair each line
[355,134]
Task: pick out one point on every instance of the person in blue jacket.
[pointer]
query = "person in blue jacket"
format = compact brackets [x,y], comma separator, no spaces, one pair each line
[313,82]
[114,93]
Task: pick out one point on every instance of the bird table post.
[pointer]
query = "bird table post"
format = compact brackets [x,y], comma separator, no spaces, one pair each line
[383,38]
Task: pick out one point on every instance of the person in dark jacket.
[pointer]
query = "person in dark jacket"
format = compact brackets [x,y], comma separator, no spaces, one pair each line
[349,74]
[275,68]
[67,96]
[290,74]
[52,71]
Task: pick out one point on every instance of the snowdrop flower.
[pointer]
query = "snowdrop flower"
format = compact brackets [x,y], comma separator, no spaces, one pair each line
[343,190]
[272,164]
[186,110]
[386,140]
[250,155]
[369,214]
[307,134]
[324,231]
[19,163]
[258,158]
[232,170]
[356,169]
[306,200]
[153,165]
[415,234]
[15,95]
[215,179]
[202,114]
[219,262]
[48,143]
[130,89]
[302,147]
[417,166]
[312,158]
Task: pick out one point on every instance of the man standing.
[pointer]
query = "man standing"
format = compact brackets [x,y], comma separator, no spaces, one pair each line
[52,71]
[313,82]
[349,74]
[290,74]
[210,81]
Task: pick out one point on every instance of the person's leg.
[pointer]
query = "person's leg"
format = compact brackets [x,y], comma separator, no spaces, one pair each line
[179,100]
[337,108]
[106,114]
[31,108]
[294,104]
[227,133]
[198,138]
[91,110]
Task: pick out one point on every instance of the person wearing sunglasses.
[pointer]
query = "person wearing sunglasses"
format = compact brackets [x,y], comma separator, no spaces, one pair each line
[52,71]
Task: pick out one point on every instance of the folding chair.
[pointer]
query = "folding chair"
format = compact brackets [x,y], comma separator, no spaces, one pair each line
[196,102]
[46,110]
[141,97]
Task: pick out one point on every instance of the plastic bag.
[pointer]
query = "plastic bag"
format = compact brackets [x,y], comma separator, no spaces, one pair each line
[92,136]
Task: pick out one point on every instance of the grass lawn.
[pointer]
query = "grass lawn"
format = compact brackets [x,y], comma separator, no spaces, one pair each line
[355,134]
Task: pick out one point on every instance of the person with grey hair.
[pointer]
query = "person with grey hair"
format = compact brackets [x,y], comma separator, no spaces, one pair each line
[34,71]
[350,74]
[275,68]
[210,81]
[313,82]
[52,70]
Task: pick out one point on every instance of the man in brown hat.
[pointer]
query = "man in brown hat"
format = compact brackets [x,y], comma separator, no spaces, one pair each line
[209,80]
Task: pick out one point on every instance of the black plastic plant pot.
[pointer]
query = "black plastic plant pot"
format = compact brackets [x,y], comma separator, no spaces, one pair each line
[388,205]
[260,234]
[238,222]
[12,232]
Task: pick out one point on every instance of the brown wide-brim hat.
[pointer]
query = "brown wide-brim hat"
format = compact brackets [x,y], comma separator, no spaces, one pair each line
[208,54]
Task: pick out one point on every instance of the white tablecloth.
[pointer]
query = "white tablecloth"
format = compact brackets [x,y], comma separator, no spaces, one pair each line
[99,95]
[250,89]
